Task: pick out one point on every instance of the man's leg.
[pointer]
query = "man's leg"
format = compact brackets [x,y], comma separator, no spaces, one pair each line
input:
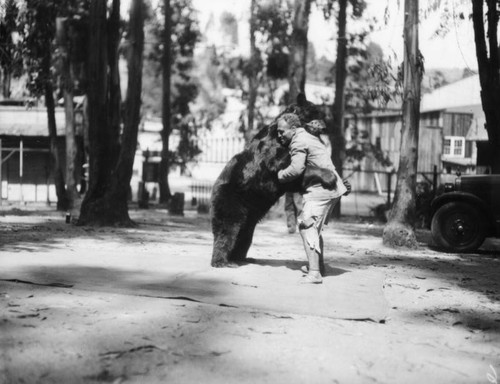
[309,238]
[290,212]
[322,268]
[298,202]
[321,257]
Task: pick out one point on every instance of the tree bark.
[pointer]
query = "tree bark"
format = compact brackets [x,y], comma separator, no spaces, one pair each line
[298,49]
[399,231]
[252,75]
[164,168]
[336,135]
[6,84]
[109,204]
[123,173]
[114,81]
[99,166]
[489,77]
[55,146]
[64,42]
[55,150]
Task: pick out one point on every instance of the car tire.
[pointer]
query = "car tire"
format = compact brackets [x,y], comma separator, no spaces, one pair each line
[458,226]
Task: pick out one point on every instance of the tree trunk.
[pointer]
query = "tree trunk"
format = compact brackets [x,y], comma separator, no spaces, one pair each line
[337,138]
[252,75]
[489,73]
[164,169]
[123,174]
[99,165]
[64,43]
[55,151]
[55,146]
[298,49]
[7,77]
[114,81]
[399,231]
[109,204]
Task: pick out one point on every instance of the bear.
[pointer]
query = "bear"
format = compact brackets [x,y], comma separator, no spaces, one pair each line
[248,187]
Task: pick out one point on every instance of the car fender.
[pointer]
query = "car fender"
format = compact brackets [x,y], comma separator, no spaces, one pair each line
[465,197]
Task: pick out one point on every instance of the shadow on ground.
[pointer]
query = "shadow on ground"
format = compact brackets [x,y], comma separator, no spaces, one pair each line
[44,232]
[294,265]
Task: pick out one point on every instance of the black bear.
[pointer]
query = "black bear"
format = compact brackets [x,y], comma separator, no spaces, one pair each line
[248,187]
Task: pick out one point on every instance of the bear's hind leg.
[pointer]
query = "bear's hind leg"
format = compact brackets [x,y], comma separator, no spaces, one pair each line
[225,240]
[243,240]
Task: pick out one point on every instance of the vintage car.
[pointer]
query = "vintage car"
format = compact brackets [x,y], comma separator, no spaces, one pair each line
[466,213]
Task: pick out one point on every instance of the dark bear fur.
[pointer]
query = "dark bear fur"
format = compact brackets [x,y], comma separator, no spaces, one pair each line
[248,187]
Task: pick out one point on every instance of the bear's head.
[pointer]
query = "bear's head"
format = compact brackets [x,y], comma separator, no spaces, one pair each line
[304,109]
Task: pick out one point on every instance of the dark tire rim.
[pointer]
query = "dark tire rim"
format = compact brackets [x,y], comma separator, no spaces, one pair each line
[460,229]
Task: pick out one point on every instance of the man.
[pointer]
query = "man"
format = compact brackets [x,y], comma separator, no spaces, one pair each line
[321,186]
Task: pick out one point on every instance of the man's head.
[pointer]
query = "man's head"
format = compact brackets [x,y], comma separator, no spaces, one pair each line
[287,124]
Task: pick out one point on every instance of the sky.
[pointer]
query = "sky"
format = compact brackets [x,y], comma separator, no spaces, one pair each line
[455,50]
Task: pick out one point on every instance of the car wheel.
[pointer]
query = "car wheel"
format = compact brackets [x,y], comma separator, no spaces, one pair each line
[457,226]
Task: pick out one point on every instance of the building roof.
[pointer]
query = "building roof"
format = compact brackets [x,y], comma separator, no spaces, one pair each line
[20,121]
[462,93]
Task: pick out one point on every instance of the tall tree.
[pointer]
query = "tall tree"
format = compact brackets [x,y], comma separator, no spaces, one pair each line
[106,200]
[399,230]
[170,85]
[337,132]
[336,127]
[298,49]
[165,193]
[488,61]
[38,31]
[64,42]
[115,101]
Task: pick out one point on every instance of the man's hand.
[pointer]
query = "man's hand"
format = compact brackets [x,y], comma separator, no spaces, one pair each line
[348,186]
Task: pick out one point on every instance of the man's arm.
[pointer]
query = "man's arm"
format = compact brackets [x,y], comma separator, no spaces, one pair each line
[298,152]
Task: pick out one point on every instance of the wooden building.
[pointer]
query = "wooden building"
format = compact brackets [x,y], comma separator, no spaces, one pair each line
[26,171]
[451,130]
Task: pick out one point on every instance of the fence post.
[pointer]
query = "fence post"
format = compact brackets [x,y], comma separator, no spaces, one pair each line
[434,180]
[21,168]
[389,186]
[1,163]
[176,204]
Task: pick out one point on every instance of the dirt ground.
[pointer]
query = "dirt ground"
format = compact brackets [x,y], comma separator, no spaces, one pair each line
[442,323]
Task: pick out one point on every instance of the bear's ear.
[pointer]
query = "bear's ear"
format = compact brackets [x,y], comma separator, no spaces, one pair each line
[301,99]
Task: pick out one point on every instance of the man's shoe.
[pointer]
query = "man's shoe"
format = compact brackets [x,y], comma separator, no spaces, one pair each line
[311,279]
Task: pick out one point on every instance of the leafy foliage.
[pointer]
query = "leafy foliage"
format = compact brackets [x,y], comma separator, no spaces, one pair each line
[185,88]
[10,55]
[329,7]
[37,23]
[273,24]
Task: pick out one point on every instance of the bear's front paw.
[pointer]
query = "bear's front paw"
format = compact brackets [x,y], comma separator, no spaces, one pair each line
[224,264]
